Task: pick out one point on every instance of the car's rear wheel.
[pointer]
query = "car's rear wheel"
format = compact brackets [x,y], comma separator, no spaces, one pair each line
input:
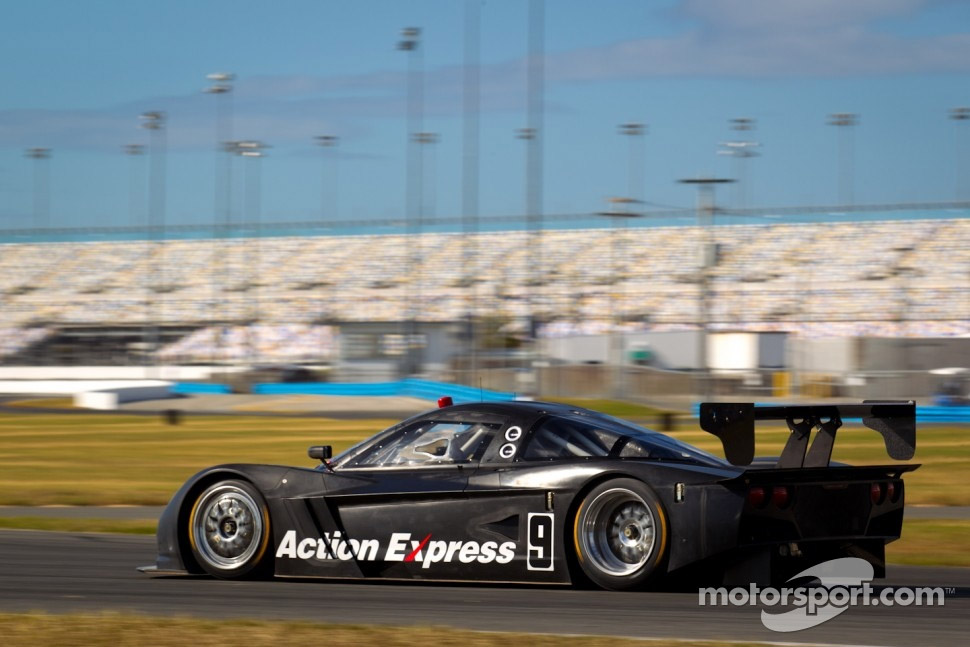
[620,535]
[229,530]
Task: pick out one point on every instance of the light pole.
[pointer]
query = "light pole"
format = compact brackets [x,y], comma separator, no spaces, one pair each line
[619,212]
[961,115]
[411,43]
[328,178]
[471,135]
[221,88]
[844,121]
[533,258]
[252,151]
[741,150]
[535,87]
[329,181]
[706,210]
[635,132]
[426,211]
[41,185]
[134,152]
[154,123]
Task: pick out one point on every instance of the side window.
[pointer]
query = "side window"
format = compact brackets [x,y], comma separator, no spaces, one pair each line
[430,443]
[561,438]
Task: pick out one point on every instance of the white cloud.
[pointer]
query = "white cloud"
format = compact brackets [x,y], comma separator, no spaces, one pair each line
[771,15]
[774,38]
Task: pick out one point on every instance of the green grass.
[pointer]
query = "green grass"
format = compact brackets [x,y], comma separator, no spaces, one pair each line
[932,542]
[90,459]
[118,459]
[128,630]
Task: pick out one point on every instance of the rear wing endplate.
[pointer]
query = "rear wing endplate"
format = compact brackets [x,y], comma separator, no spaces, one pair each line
[734,424]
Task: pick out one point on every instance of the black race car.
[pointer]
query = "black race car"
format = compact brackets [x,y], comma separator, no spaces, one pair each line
[550,493]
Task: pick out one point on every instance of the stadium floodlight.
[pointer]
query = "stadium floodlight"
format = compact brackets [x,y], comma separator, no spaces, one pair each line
[154,120]
[410,38]
[619,207]
[742,123]
[38,153]
[740,150]
[425,138]
[221,77]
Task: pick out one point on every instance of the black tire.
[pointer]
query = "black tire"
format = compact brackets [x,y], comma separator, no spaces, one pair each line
[229,530]
[620,535]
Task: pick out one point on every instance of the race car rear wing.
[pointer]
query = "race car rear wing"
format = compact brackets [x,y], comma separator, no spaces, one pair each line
[734,424]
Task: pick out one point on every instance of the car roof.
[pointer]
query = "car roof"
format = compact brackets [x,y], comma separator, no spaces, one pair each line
[517,407]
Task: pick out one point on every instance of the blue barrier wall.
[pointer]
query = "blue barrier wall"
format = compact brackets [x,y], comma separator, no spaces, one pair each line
[199,388]
[413,388]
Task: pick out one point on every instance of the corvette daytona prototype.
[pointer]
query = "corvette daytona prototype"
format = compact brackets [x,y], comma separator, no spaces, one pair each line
[548,493]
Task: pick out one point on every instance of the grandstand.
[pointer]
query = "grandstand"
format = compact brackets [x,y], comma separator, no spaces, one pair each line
[208,299]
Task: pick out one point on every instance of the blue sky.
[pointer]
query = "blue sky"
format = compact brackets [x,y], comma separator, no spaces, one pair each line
[76,75]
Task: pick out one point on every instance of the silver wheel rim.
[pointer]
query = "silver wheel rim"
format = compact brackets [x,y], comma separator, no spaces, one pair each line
[227,527]
[617,532]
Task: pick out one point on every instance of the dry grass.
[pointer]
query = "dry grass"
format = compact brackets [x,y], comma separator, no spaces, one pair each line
[125,526]
[124,630]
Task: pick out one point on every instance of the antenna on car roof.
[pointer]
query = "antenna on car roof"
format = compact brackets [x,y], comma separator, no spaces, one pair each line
[481,393]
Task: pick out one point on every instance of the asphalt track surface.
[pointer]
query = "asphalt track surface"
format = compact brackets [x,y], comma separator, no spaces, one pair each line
[79,572]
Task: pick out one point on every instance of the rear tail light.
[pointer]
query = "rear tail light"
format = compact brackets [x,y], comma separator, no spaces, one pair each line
[757,496]
[891,492]
[877,492]
[780,496]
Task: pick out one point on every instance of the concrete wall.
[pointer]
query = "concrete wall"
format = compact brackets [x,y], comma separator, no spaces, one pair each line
[174,373]
[670,349]
[107,399]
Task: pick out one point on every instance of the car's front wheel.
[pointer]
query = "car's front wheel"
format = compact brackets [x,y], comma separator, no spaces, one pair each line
[229,530]
[620,535]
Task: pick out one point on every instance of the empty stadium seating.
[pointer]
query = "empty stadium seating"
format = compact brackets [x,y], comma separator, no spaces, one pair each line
[887,278]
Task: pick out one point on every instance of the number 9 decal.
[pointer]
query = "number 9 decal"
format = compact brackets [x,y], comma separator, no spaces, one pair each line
[540,542]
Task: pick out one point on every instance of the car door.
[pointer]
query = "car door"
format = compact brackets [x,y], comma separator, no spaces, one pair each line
[402,503]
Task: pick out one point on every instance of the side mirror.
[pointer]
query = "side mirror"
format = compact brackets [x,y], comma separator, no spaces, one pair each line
[322,453]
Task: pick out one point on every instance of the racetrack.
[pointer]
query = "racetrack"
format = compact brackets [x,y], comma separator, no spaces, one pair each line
[68,572]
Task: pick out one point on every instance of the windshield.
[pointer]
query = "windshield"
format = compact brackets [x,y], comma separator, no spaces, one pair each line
[428,442]
[584,436]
